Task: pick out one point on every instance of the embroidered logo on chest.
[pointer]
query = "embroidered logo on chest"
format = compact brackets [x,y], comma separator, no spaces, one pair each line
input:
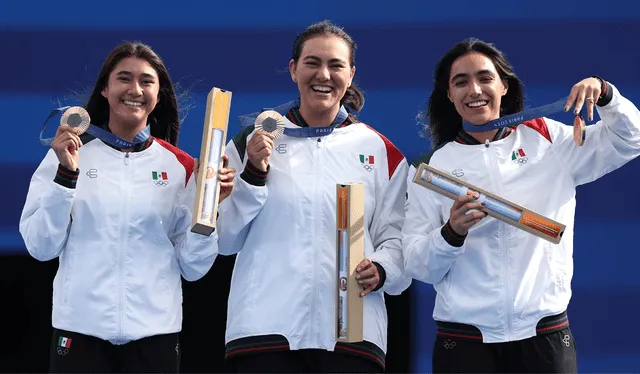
[519,157]
[160,178]
[368,162]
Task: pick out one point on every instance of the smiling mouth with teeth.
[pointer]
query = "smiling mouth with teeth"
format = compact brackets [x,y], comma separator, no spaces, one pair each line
[477,104]
[132,103]
[321,89]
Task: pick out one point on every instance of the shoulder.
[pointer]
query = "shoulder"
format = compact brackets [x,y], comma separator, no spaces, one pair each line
[393,154]
[183,157]
[425,158]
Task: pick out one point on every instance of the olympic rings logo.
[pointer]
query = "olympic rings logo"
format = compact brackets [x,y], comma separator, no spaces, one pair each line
[367,167]
[161,183]
[566,340]
[62,351]
[521,160]
[449,344]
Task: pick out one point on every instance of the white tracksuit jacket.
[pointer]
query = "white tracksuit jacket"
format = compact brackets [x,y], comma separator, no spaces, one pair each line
[123,238]
[284,233]
[503,280]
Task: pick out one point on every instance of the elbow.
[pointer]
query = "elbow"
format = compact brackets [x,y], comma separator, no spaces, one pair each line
[424,273]
[41,255]
[195,272]
[40,251]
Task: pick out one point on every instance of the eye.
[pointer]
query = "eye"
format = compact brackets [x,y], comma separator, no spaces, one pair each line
[460,83]
[123,78]
[311,63]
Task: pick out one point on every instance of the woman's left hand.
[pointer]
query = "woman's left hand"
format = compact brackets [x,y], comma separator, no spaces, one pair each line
[367,276]
[588,90]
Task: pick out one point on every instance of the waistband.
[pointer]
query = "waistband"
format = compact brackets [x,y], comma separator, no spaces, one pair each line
[273,343]
[546,325]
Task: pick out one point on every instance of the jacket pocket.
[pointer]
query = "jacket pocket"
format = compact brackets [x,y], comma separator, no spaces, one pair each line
[558,268]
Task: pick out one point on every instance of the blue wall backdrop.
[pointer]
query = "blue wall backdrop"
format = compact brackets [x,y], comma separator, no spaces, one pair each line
[52,52]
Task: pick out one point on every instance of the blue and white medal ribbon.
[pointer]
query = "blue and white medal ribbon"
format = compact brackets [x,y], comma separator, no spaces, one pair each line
[248,120]
[516,118]
[99,133]
[579,129]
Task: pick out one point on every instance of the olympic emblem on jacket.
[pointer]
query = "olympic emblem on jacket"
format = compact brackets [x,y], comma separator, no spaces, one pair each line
[519,157]
[368,162]
[160,178]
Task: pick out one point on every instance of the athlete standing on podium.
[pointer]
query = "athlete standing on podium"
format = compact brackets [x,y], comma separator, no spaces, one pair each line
[502,293]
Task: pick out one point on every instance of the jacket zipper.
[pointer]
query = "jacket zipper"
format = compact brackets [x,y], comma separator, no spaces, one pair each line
[492,164]
[317,220]
[123,243]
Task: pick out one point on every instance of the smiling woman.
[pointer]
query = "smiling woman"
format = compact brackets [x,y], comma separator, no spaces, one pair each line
[122,228]
[503,294]
[133,72]
[282,303]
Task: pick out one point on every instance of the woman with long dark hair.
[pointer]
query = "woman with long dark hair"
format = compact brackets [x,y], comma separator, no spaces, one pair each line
[117,212]
[502,293]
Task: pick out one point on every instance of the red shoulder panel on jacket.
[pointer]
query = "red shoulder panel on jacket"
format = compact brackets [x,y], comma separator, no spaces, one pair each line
[183,157]
[394,156]
[540,126]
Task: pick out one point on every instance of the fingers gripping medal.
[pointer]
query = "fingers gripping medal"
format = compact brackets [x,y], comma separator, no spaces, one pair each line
[579,130]
[270,121]
[77,118]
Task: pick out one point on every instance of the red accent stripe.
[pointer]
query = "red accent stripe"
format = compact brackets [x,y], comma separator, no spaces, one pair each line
[257,349]
[540,126]
[460,335]
[67,174]
[255,172]
[183,157]
[553,327]
[362,353]
[394,156]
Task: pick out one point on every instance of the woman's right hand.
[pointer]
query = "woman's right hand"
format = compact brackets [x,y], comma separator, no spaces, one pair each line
[461,217]
[66,145]
[259,149]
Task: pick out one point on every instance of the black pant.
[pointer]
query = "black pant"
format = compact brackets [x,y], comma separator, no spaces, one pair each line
[304,361]
[549,353]
[73,352]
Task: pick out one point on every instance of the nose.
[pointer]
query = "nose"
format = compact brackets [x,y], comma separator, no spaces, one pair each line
[475,89]
[135,89]
[323,73]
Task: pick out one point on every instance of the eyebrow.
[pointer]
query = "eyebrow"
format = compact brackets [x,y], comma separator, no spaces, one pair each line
[128,73]
[318,59]
[465,75]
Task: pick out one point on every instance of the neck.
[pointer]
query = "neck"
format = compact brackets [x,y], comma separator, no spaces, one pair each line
[482,137]
[319,119]
[126,132]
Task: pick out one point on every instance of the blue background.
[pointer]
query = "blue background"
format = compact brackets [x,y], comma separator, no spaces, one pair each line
[52,52]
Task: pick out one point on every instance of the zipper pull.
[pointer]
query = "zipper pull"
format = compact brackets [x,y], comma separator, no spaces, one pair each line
[126,158]
[319,141]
